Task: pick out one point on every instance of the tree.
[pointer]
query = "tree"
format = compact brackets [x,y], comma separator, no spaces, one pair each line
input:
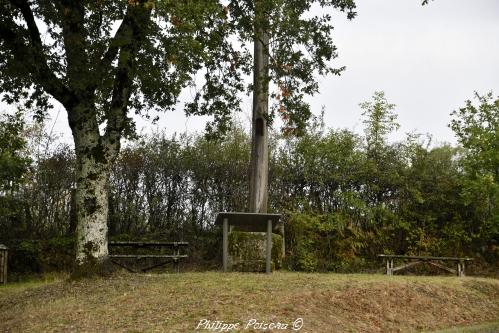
[104,59]
[477,130]
[13,162]
[291,46]
[381,164]
[379,120]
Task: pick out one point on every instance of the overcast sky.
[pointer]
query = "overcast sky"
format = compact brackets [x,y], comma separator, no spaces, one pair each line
[428,60]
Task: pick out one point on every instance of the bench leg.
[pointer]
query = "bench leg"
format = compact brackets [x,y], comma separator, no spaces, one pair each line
[225,244]
[389,267]
[176,251]
[269,247]
[460,269]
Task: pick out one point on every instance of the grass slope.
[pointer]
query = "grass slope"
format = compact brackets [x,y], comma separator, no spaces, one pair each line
[177,303]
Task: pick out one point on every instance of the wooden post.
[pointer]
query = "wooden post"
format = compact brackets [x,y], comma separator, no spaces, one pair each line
[269,247]
[3,263]
[259,169]
[283,241]
[176,252]
[225,243]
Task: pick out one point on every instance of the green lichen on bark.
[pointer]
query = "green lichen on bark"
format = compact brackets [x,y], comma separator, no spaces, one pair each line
[92,267]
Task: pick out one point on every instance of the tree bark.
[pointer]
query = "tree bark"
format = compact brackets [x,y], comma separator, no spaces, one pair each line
[92,211]
[260,148]
[94,156]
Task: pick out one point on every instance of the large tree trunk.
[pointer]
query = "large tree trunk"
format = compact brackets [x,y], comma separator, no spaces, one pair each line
[94,156]
[92,210]
[259,168]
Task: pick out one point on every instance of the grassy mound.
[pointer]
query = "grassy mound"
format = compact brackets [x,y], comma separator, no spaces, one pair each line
[179,302]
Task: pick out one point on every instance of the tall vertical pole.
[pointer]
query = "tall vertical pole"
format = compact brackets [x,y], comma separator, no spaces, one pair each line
[225,243]
[259,133]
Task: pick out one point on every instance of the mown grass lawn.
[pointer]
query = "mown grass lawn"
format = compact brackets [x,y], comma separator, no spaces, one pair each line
[179,302]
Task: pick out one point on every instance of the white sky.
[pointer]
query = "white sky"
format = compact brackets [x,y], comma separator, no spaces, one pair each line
[428,60]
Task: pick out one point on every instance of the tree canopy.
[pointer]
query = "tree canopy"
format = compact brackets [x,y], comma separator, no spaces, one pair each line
[135,55]
[300,48]
[104,59]
[13,161]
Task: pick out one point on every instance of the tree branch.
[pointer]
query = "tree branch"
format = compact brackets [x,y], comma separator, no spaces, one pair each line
[32,57]
[116,42]
[128,39]
[28,16]
[74,35]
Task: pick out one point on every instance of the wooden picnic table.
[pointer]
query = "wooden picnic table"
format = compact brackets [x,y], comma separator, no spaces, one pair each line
[175,256]
[416,260]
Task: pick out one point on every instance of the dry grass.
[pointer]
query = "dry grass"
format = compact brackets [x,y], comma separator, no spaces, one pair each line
[177,302]
[492,327]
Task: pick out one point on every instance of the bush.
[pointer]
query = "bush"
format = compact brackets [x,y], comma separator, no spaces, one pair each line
[322,243]
[40,256]
[248,250]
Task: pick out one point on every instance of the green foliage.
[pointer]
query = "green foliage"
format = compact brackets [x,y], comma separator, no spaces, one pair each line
[251,247]
[157,49]
[477,129]
[174,185]
[14,165]
[38,256]
[300,48]
[379,120]
[13,162]
[344,206]
[155,52]
[322,242]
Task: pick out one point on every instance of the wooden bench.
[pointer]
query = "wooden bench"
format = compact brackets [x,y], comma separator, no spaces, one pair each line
[175,256]
[416,260]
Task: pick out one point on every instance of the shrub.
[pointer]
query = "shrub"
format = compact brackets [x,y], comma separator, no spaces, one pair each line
[322,242]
